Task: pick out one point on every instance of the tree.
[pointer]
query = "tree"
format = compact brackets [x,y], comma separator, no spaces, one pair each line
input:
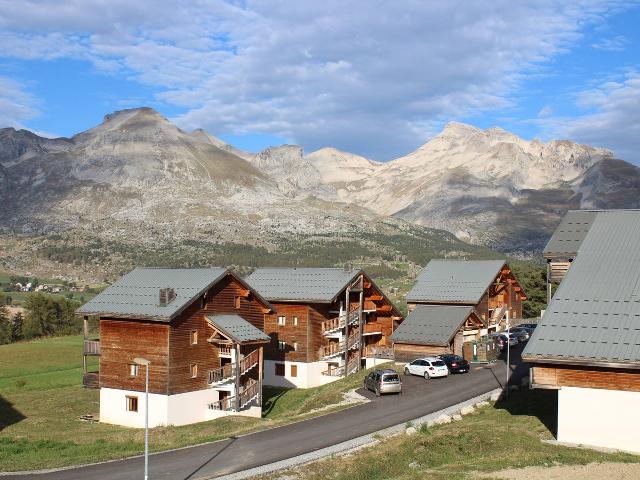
[46,316]
[16,329]
[5,325]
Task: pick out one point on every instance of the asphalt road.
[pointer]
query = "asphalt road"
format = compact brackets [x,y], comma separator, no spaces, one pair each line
[420,397]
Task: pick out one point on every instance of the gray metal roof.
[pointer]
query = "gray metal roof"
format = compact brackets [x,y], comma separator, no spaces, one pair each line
[237,328]
[432,324]
[301,284]
[463,281]
[568,237]
[136,295]
[594,316]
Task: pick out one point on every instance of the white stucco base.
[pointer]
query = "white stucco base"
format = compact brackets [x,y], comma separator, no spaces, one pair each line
[181,409]
[372,362]
[309,375]
[599,418]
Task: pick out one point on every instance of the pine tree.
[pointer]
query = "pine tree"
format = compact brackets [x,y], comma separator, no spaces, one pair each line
[16,328]
[5,325]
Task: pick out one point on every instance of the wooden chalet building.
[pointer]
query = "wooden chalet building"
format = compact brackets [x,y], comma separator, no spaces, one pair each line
[327,323]
[587,344]
[485,293]
[201,329]
[433,330]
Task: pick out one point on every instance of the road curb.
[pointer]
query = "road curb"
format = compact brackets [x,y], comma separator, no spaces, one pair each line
[350,446]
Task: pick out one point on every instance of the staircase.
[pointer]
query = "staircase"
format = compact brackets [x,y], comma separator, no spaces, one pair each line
[250,393]
[250,361]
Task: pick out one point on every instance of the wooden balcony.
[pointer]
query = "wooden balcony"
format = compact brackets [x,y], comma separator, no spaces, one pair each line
[334,372]
[224,405]
[92,347]
[331,350]
[222,374]
[91,380]
[249,361]
[224,349]
[372,329]
[251,392]
[376,351]
[333,325]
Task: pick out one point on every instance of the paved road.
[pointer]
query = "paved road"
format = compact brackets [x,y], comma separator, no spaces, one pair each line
[420,398]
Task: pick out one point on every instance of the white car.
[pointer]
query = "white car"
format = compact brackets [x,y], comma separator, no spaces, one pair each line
[427,367]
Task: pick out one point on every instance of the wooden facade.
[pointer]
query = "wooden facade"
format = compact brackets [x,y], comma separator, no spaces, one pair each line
[555,376]
[314,332]
[503,295]
[185,351]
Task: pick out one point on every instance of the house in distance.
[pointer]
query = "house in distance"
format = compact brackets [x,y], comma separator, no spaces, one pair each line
[457,301]
[201,329]
[587,344]
[326,323]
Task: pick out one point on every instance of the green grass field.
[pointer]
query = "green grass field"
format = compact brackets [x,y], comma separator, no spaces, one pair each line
[508,434]
[42,399]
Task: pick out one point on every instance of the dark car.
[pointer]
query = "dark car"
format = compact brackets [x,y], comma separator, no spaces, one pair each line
[383,381]
[455,363]
[530,326]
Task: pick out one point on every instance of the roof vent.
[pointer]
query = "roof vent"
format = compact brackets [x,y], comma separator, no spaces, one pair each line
[167,295]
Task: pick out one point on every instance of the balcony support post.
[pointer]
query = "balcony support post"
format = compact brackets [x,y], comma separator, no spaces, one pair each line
[237,382]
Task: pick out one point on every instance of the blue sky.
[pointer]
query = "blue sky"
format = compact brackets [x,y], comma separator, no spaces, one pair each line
[372,77]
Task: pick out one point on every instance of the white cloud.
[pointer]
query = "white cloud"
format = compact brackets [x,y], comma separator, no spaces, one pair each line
[16,104]
[612,44]
[614,120]
[375,78]
[545,111]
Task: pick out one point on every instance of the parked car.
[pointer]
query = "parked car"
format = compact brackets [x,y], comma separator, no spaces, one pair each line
[502,340]
[522,334]
[427,367]
[455,363]
[383,381]
[531,326]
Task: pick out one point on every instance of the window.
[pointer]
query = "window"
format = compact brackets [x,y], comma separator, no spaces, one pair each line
[282,345]
[236,302]
[193,368]
[132,404]
[294,370]
[282,320]
[295,321]
[280,369]
[194,337]
[295,346]
[133,370]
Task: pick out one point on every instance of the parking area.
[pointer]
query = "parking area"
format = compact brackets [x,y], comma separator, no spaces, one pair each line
[415,386]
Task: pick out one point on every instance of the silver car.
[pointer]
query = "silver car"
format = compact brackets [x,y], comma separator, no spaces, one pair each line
[383,381]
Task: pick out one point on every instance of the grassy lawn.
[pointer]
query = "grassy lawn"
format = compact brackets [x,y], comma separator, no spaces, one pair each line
[507,435]
[41,400]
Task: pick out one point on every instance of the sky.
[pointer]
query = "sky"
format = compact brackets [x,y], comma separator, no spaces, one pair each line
[375,78]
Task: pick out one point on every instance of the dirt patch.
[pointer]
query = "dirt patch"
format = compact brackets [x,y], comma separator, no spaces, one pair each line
[592,471]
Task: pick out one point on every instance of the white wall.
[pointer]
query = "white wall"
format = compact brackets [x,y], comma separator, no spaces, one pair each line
[180,409]
[309,375]
[601,418]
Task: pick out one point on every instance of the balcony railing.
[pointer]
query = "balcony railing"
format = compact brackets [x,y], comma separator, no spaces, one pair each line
[222,374]
[334,372]
[224,349]
[334,348]
[92,347]
[352,365]
[371,328]
[337,323]
[249,361]
[224,405]
[250,392]
[91,380]
[376,351]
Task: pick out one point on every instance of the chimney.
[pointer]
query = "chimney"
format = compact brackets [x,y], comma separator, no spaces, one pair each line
[347,267]
[167,295]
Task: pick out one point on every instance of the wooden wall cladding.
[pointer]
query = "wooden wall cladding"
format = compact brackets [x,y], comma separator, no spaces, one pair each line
[123,340]
[555,376]
[405,352]
[289,333]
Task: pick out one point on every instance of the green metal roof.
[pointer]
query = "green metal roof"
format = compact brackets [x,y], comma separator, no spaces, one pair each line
[432,324]
[237,328]
[594,316]
[321,285]
[462,281]
[136,295]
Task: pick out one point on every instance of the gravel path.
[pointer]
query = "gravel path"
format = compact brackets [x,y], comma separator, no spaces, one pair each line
[592,471]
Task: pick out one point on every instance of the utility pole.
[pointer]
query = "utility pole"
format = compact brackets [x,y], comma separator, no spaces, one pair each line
[146,363]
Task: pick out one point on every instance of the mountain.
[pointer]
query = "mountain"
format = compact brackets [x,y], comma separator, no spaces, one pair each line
[487,186]
[137,189]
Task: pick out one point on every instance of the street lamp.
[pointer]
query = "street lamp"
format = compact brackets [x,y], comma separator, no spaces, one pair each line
[508,352]
[146,363]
